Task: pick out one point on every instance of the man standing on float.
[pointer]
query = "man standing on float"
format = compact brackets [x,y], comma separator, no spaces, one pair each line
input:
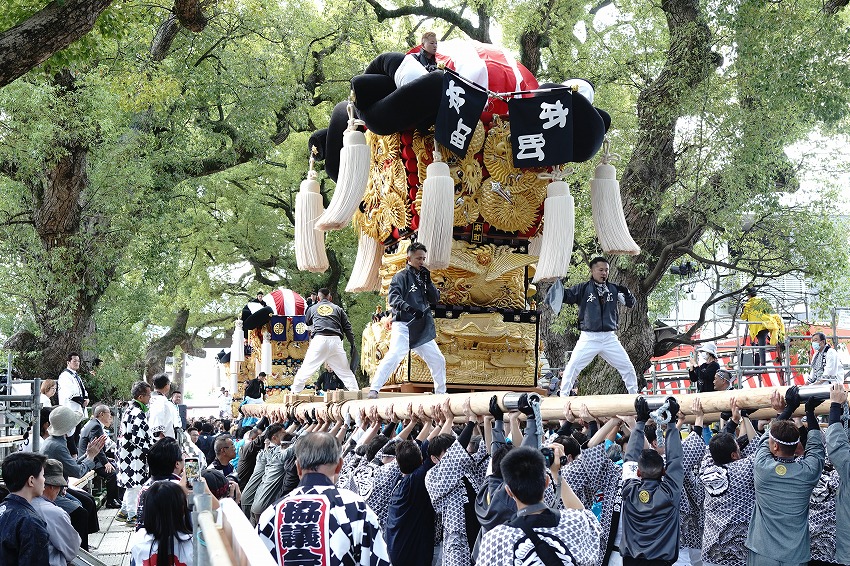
[410,297]
[327,323]
[598,317]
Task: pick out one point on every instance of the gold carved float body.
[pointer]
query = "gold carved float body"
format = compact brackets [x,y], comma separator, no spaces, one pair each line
[479,348]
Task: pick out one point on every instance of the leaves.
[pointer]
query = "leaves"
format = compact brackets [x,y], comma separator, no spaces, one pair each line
[188,162]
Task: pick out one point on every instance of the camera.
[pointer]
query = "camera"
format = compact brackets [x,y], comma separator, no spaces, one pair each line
[549,457]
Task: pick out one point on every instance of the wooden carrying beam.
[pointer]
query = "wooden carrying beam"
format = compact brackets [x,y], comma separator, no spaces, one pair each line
[550,407]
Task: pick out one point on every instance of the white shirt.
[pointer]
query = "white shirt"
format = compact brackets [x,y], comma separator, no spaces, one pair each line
[143,545]
[45,401]
[833,371]
[69,387]
[162,415]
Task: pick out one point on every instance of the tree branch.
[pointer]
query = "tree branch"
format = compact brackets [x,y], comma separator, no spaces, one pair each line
[480,33]
[191,15]
[52,29]
[832,7]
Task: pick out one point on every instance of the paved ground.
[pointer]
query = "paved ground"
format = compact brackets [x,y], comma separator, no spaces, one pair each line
[110,545]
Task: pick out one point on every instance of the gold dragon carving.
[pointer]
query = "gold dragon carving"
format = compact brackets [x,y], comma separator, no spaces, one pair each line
[478,275]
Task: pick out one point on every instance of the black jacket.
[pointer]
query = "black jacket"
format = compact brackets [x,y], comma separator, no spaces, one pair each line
[23,533]
[651,507]
[598,312]
[411,291]
[703,376]
[327,318]
[255,389]
[92,430]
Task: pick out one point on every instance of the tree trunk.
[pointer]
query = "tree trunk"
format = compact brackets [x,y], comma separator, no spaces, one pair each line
[649,174]
[158,350]
[529,43]
[67,263]
[52,29]
[535,37]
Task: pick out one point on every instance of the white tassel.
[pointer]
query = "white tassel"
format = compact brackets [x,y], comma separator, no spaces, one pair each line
[534,245]
[310,254]
[365,274]
[237,348]
[266,351]
[352,179]
[436,219]
[556,247]
[608,218]
[237,354]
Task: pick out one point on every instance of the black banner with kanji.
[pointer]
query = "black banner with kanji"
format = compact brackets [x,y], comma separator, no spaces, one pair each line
[460,109]
[542,129]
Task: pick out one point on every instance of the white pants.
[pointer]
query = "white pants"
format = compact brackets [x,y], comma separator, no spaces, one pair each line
[130,502]
[325,349]
[605,344]
[399,347]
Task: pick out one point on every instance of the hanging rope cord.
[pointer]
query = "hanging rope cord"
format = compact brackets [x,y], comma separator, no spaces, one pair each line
[661,416]
[353,123]
[534,402]
[504,96]
[608,157]
[559,173]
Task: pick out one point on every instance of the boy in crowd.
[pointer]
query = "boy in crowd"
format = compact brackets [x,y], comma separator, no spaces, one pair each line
[23,534]
[538,533]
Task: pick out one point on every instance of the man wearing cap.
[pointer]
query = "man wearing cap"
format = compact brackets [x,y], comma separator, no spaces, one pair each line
[328,323]
[64,541]
[63,422]
[723,380]
[703,374]
[779,529]
[105,468]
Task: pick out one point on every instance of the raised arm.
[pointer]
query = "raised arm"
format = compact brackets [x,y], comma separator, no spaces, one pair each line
[836,439]
[674,471]
[636,438]
[609,428]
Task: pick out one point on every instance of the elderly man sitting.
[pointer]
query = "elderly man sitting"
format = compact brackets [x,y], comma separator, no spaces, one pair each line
[104,467]
[63,423]
[64,541]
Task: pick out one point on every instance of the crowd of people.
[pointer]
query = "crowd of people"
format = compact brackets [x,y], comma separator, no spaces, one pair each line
[502,488]
[153,441]
[600,492]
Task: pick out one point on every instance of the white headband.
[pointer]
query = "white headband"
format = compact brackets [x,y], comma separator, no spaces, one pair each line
[773,438]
